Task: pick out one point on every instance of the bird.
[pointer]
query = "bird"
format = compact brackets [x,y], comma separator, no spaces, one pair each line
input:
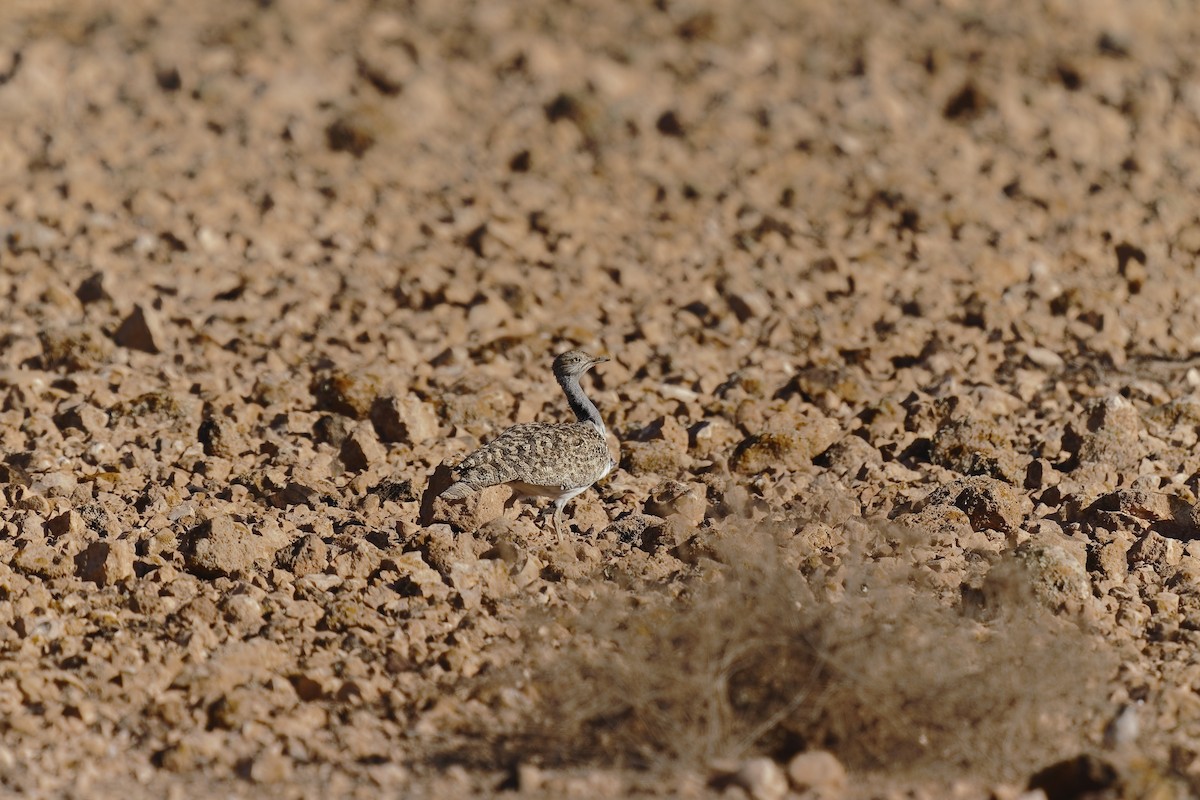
[540,459]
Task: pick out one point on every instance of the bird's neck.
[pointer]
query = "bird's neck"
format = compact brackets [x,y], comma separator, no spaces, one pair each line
[585,410]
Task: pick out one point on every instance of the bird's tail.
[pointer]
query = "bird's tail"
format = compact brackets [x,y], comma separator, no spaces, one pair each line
[456,491]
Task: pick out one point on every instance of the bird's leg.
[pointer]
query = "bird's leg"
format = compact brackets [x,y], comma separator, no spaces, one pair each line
[558,507]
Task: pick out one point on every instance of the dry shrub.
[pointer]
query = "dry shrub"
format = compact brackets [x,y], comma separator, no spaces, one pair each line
[749,657]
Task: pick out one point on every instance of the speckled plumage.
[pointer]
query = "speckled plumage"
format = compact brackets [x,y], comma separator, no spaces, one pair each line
[561,457]
[544,459]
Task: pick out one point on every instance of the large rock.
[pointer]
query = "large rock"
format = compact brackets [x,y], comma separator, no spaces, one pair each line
[989,504]
[221,547]
[405,419]
[469,514]
[361,449]
[107,562]
[141,330]
[978,447]
[787,446]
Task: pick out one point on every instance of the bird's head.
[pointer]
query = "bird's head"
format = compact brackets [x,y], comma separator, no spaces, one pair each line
[575,362]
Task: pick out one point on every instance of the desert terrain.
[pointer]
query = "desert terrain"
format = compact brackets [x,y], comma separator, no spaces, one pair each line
[900,300]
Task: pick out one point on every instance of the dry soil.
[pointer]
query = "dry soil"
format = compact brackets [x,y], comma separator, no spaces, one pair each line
[901,301]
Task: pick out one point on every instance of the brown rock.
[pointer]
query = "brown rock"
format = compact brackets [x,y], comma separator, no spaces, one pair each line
[361,449]
[676,497]
[332,429]
[666,429]
[79,347]
[762,779]
[416,577]
[670,533]
[406,419]
[93,288]
[82,416]
[468,514]
[106,562]
[819,774]
[271,768]
[357,130]
[221,547]
[1112,436]
[38,558]
[351,394]
[141,330]
[942,523]
[978,447]
[1156,550]
[222,437]
[1136,502]
[476,581]
[1113,560]
[69,523]
[990,504]
[792,447]
[307,555]
[1056,578]
[657,457]
[850,456]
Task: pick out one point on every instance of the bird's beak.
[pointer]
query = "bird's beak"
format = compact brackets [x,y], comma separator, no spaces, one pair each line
[600,359]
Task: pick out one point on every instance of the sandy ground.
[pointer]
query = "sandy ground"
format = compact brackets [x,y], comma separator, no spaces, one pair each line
[901,301]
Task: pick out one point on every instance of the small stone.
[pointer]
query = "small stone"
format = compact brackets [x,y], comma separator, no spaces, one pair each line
[1137,502]
[141,330]
[78,347]
[530,778]
[38,558]
[818,773]
[69,523]
[1112,435]
[222,437]
[306,556]
[82,416]
[656,457]
[666,429]
[477,581]
[670,533]
[748,304]
[1045,358]
[978,447]
[404,420]
[332,429]
[762,779]
[1040,474]
[1157,550]
[1112,560]
[357,131]
[676,497]
[1057,578]
[851,456]
[107,562]
[271,768]
[55,484]
[416,577]
[93,289]
[1123,729]
[351,394]
[361,449]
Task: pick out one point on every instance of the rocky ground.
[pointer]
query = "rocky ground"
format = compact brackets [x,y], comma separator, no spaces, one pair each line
[901,303]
